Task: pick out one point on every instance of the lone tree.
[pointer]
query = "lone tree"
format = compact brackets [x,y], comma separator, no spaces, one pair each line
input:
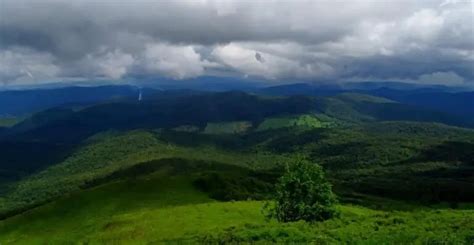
[303,193]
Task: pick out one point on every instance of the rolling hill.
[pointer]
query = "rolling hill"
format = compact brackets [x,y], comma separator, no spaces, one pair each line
[166,207]
[92,173]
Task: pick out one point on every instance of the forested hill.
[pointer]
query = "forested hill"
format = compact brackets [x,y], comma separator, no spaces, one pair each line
[62,129]
[173,110]
[202,147]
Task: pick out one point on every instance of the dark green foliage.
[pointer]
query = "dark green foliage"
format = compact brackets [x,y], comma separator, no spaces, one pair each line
[363,108]
[451,151]
[402,160]
[234,185]
[303,193]
[39,155]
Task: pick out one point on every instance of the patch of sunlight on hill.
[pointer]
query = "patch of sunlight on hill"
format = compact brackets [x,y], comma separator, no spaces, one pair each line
[301,121]
[227,127]
[9,121]
[355,97]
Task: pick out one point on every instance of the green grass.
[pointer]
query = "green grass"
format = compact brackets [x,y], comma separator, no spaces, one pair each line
[164,208]
[227,127]
[9,121]
[301,121]
[359,225]
[151,207]
[90,211]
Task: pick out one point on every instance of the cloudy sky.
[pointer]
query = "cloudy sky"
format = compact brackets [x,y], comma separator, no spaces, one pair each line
[335,40]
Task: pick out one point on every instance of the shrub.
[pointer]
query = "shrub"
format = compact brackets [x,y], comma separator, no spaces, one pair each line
[303,193]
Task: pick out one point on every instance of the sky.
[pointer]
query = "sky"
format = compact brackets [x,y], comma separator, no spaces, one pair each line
[424,41]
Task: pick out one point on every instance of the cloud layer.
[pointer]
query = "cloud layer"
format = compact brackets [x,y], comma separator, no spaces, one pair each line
[45,40]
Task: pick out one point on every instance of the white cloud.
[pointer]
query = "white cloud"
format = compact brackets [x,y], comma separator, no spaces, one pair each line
[177,62]
[115,64]
[450,78]
[26,66]
[424,25]
[244,60]
[299,39]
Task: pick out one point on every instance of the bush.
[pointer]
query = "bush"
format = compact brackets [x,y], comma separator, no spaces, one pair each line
[303,193]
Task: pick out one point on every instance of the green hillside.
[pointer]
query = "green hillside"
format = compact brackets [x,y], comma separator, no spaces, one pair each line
[67,125]
[108,153]
[9,121]
[160,207]
[377,159]
[299,121]
[227,127]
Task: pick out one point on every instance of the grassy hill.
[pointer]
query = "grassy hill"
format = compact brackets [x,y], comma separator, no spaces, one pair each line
[160,207]
[227,127]
[307,121]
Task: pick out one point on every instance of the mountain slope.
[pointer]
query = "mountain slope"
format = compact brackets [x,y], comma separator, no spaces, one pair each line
[54,134]
[433,154]
[168,209]
[457,103]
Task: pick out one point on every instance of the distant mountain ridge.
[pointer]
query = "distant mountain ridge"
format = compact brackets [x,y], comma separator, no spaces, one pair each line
[19,102]
[439,98]
[169,109]
[434,98]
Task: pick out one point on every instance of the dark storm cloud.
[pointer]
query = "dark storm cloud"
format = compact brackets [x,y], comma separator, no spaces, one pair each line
[296,40]
[259,58]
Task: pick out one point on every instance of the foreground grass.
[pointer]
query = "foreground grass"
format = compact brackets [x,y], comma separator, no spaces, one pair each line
[160,208]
